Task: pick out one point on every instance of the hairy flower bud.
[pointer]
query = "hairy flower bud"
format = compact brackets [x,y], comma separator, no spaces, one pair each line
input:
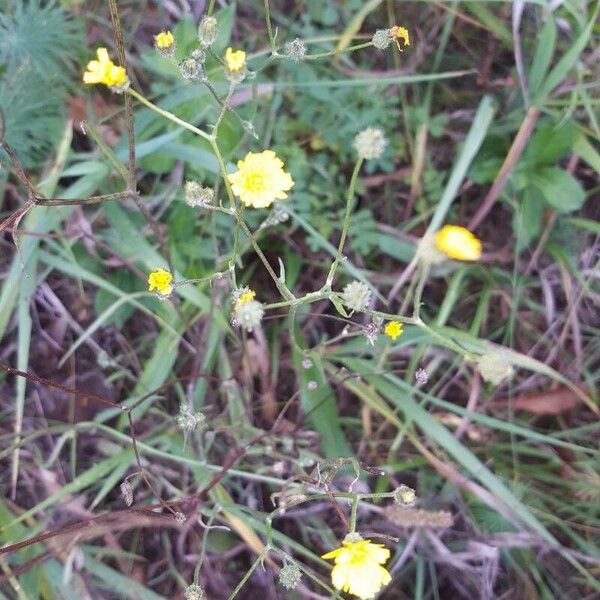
[187,420]
[405,495]
[207,30]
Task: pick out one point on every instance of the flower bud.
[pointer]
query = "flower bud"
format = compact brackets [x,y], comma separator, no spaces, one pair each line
[381,39]
[405,495]
[196,195]
[194,592]
[295,50]
[207,30]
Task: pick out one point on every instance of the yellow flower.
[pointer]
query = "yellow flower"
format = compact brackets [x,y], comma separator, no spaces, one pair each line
[104,71]
[458,243]
[164,40]
[160,280]
[400,33]
[393,329]
[358,568]
[260,179]
[235,60]
[245,297]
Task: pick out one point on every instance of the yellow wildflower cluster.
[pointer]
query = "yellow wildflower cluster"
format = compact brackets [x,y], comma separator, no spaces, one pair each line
[260,179]
[235,61]
[160,281]
[105,71]
[458,243]
[358,569]
[393,329]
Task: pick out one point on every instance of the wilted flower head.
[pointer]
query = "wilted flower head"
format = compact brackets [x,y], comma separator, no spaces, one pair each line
[295,49]
[356,295]
[370,143]
[371,331]
[358,567]
[192,67]
[194,592]
[260,179]
[494,367]
[207,30]
[160,281]
[421,377]
[290,576]
[247,312]
[106,72]
[398,33]
[405,495]
[458,243]
[187,420]
[381,39]
[197,195]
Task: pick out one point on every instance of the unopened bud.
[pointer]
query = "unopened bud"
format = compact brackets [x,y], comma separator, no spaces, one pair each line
[207,30]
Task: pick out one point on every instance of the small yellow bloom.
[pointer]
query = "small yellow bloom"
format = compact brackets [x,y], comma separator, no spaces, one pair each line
[400,33]
[245,297]
[358,568]
[458,243]
[260,179]
[104,71]
[160,280]
[164,40]
[393,329]
[235,60]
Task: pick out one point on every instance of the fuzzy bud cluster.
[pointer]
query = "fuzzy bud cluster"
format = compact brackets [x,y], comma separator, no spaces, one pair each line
[197,195]
[295,50]
[370,143]
[290,576]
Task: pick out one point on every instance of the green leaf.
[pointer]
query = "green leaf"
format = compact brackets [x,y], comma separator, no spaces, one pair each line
[527,222]
[560,189]
[550,143]
[319,406]
[543,55]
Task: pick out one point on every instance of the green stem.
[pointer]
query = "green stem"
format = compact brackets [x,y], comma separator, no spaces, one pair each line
[168,115]
[346,224]
[249,572]
[353,513]
[337,52]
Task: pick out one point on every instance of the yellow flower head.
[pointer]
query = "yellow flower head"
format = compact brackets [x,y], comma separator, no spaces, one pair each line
[160,280]
[358,569]
[400,33]
[164,40]
[104,71]
[260,179]
[245,297]
[235,60]
[393,329]
[458,243]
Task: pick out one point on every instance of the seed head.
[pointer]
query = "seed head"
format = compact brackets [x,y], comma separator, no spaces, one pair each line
[295,50]
[290,576]
[356,295]
[381,39]
[194,592]
[370,143]
[248,314]
[197,195]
